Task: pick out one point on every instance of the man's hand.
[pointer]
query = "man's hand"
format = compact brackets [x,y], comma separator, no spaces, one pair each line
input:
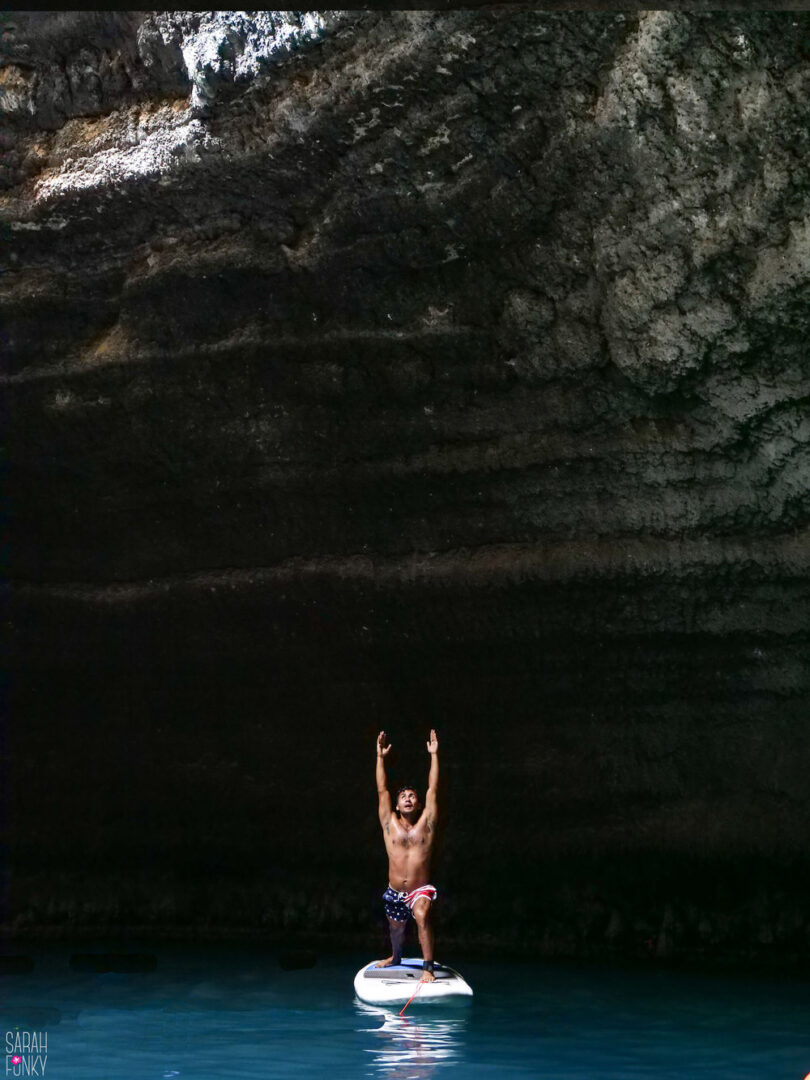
[433,743]
[384,796]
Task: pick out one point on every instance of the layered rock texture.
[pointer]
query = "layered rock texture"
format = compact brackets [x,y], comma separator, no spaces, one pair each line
[395,370]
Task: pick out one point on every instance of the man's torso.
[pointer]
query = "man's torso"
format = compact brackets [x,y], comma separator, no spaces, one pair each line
[409,850]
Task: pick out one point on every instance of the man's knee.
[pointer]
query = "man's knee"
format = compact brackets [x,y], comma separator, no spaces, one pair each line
[421,911]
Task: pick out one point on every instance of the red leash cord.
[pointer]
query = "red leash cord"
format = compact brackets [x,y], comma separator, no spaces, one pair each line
[410,999]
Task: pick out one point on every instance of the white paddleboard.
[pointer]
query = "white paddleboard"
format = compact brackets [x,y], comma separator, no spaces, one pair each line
[396,984]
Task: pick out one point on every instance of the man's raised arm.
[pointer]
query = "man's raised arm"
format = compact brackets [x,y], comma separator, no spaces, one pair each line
[383,793]
[431,805]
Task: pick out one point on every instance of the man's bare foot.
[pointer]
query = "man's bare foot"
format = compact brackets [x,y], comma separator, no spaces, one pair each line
[386,963]
[428,976]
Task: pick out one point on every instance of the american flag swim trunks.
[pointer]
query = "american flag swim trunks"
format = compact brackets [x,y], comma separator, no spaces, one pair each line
[399,905]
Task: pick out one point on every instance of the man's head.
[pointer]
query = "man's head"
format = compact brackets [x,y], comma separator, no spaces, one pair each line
[407,800]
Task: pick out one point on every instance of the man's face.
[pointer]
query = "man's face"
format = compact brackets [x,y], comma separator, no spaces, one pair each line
[408,800]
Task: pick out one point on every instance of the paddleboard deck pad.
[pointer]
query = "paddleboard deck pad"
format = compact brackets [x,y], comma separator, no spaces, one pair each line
[396,984]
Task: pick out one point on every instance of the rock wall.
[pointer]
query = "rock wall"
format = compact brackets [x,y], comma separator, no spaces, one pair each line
[400,370]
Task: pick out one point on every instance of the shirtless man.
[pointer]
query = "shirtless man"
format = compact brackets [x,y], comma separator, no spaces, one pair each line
[409,832]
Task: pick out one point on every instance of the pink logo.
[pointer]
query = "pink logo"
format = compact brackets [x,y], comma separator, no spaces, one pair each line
[16,1059]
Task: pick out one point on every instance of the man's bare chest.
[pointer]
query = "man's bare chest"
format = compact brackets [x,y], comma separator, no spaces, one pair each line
[402,840]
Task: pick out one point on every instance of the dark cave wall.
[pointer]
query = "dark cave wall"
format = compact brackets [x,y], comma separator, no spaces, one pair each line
[409,370]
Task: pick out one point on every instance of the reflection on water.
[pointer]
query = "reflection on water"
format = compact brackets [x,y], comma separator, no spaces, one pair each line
[211,1013]
[408,1047]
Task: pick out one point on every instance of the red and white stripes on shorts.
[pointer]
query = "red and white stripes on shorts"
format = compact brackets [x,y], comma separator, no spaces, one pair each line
[424,890]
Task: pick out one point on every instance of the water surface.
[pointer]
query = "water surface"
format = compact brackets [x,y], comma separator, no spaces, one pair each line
[215,1013]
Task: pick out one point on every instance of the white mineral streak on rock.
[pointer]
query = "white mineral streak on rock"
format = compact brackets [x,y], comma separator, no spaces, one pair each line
[645,330]
[16,90]
[36,226]
[234,46]
[157,149]
[659,315]
[218,48]
[631,80]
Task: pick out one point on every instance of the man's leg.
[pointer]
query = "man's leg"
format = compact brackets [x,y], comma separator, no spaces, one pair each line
[397,931]
[421,913]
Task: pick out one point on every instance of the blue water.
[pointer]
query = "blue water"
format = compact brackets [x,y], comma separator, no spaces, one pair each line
[216,1013]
